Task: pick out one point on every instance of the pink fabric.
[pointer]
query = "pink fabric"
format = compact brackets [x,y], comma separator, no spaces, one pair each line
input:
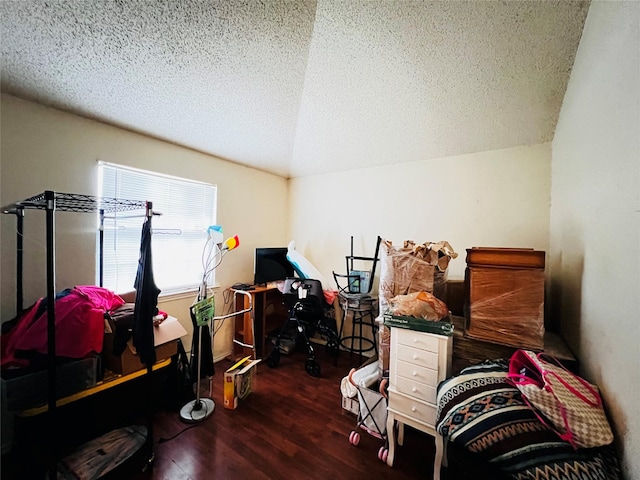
[79,325]
[330,296]
[8,339]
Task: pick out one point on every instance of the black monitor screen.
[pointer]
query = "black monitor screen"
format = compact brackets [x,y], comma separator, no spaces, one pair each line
[271,264]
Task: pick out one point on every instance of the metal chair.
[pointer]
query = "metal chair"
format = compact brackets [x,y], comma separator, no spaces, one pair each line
[356,301]
[363,266]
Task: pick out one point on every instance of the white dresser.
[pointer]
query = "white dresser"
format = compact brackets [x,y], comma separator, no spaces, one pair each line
[418,361]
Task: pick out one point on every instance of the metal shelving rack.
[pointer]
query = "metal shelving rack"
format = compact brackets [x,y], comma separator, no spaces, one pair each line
[51,202]
[65,202]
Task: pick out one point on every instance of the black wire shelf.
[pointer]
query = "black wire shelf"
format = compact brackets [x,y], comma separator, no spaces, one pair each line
[73,202]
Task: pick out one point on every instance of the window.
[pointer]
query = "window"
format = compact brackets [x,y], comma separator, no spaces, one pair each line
[187,209]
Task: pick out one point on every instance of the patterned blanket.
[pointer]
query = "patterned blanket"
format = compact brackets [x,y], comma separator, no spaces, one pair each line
[479,411]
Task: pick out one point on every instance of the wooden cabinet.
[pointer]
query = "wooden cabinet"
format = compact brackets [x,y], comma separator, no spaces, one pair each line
[505,296]
[468,351]
[418,361]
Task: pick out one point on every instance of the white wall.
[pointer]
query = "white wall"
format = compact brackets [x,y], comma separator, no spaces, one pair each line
[498,198]
[595,215]
[46,149]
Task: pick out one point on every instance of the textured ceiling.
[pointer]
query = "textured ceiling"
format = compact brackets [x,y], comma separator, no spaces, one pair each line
[302,87]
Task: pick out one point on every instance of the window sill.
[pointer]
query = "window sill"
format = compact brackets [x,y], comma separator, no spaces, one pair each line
[182,294]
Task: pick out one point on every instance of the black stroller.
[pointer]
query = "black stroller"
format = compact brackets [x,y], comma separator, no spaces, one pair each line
[308,313]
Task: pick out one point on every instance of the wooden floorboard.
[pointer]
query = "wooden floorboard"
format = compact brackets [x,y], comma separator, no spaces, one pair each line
[291,426]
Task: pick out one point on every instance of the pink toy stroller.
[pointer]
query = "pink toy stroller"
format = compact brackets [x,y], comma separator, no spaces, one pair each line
[372,415]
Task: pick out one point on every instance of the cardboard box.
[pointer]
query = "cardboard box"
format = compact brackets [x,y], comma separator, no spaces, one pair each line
[166,335]
[414,268]
[384,346]
[238,381]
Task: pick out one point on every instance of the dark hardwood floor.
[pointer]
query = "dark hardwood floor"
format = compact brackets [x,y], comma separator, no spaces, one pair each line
[292,426]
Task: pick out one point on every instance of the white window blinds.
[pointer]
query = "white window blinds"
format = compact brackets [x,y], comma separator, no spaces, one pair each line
[187,209]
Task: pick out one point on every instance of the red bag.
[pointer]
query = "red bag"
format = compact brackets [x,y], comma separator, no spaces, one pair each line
[569,405]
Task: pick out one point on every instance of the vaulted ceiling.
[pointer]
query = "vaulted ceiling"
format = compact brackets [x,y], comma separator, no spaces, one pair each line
[299,87]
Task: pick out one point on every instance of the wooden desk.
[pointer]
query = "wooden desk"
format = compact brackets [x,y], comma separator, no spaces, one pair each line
[268,313]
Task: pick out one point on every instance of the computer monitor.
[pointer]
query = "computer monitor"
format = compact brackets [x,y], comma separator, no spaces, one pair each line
[271,265]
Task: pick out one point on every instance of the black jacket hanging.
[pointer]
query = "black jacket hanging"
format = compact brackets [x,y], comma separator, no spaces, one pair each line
[146,300]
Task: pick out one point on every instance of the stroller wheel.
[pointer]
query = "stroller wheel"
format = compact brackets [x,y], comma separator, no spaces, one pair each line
[274,358]
[312,368]
[354,438]
[383,453]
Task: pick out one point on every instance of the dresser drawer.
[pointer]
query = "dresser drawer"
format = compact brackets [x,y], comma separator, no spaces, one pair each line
[418,361]
[421,391]
[412,408]
[420,340]
[417,373]
[418,357]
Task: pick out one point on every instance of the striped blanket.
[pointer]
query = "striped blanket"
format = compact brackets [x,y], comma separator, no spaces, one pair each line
[479,411]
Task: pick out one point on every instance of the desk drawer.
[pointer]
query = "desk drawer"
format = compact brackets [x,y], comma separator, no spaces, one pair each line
[415,389]
[415,339]
[418,357]
[420,411]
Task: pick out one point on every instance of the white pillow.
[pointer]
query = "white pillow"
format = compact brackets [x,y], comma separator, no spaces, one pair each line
[303,267]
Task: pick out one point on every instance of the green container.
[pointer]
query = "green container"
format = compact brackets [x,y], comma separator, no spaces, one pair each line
[441,327]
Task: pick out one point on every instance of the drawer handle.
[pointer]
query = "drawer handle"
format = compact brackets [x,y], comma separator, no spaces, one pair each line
[414,409]
[414,389]
[414,373]
[415,340]
[415,356]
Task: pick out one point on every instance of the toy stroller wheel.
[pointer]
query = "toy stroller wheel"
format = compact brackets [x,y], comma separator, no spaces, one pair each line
[383,453]
[312,368]
[274,358]
[354,438]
